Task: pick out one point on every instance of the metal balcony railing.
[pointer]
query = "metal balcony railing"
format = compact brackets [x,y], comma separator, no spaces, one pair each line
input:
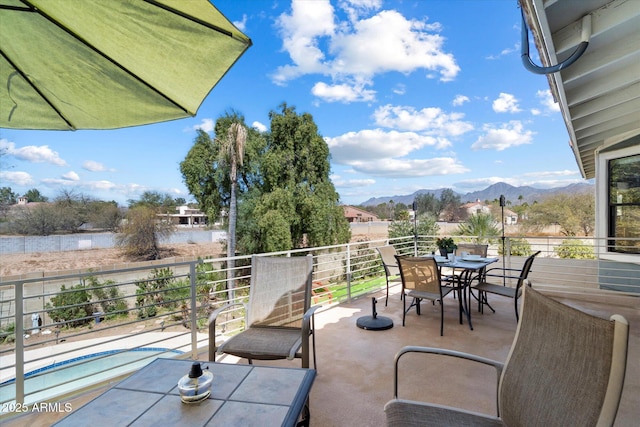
[63,333]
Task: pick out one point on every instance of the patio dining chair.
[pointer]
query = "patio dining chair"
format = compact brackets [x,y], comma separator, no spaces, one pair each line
[392,273]
[494,287]
[279,318]
[471,249]
[421,280]
[565,368]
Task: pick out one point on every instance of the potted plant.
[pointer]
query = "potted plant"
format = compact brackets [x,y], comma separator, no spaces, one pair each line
[446,245]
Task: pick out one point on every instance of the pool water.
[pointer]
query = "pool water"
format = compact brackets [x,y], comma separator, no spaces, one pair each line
[73,374]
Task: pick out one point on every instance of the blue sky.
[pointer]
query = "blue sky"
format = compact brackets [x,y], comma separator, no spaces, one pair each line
[409,95]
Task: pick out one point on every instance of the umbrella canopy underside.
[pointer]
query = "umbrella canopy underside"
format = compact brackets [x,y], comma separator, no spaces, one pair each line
[96,64]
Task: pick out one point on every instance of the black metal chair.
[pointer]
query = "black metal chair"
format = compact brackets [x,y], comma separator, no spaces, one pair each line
[508,274]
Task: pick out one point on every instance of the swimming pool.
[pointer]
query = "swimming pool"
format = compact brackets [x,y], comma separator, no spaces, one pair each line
[79,372]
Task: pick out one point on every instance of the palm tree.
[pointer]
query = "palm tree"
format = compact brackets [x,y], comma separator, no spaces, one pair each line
[481,225]
[232,152]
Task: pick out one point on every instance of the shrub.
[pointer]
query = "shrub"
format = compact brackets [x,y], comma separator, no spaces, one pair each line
[576,249]
[71,307]
[108,296]
[8,334]
[160,290]
[519,247]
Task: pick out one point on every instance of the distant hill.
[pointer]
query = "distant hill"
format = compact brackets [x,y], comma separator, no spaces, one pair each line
[529,194]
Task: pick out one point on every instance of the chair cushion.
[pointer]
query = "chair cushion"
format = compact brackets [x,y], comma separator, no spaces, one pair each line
[407,413]
[264,343]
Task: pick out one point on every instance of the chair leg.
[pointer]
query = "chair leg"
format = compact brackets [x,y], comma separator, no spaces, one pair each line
[441,318]
[387,300]
[404,309]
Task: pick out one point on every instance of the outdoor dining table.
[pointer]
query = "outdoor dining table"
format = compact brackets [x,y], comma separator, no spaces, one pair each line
[466,269]
[241,395]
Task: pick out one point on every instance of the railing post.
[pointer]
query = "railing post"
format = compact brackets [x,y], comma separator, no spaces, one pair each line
[349,272]
[19,294]
[194,311]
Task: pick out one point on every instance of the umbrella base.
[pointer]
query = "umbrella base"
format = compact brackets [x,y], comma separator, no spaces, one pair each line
[374,322]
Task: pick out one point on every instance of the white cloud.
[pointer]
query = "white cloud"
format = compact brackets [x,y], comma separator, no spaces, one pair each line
[71,176]
[93,166]
[354,8]
[506,103]
[32,153]
[376,144]
[506,136]
[551,173]
[505,52]
[300,32]
[342,92]
[410,168]
[399,89]
[206,125]
[352,183]
[241,25]
[259,126]
[16,177]
[352,52]
[459,100]
[546,100]
[430,120]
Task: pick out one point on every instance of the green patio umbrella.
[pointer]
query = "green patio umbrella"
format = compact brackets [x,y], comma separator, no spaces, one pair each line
[97,64]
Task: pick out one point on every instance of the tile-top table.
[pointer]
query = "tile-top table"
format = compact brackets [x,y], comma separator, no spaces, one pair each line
[241,395]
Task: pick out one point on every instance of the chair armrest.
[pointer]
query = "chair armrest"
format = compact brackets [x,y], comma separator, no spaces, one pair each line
[445,352]
[307,317]
[212,326]
[506,276]
[214,315]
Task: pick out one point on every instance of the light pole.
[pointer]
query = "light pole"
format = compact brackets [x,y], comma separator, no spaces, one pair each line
[415,228]
[502,203]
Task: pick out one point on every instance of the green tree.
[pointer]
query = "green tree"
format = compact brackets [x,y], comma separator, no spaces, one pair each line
[7,199]
[428,203]
[232,151]
[426,225]
[105,215]
[449,204]
[160,202]
[294,188]
[285,197]
[70,210]
[140,235]
[34,195]
[206,172]
[481,225]
[40,220]
[574,213]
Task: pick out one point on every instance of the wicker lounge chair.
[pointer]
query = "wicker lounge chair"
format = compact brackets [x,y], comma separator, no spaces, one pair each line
[485,286]
[565,368]
[392,273]
[421,280]
[279,318]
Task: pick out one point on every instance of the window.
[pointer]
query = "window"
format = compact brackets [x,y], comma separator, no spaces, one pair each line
[624,204]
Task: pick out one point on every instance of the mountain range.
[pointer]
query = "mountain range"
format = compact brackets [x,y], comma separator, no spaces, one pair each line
[511,193]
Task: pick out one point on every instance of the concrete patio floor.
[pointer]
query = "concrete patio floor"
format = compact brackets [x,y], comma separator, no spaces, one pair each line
[355,366]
